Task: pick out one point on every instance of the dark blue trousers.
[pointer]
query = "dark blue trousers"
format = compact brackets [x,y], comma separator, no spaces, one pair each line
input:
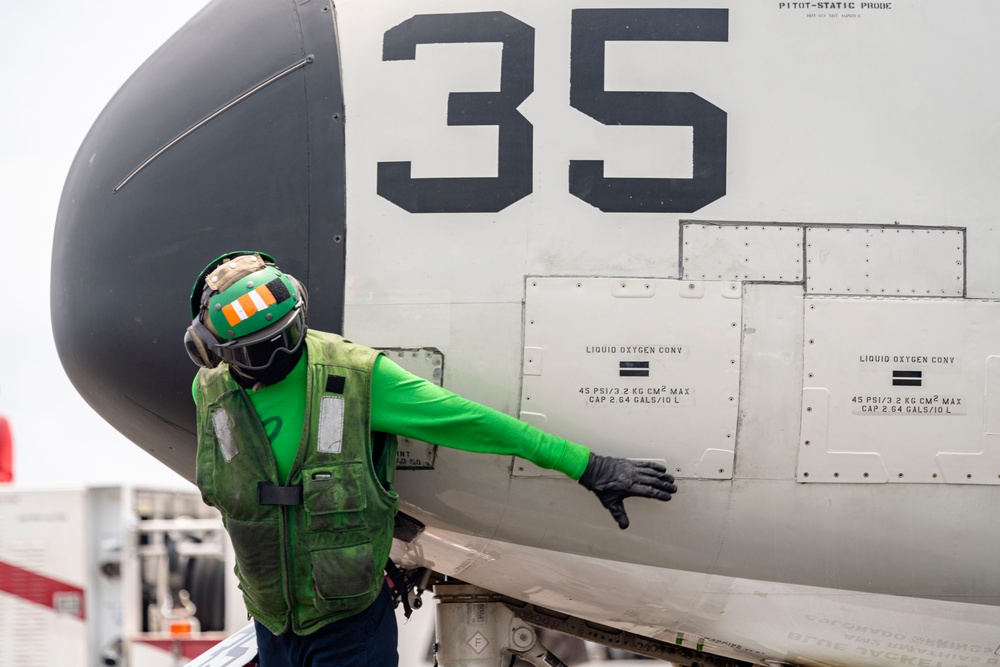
[367,639]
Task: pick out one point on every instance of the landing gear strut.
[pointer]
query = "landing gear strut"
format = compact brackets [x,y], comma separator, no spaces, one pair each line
[475,629]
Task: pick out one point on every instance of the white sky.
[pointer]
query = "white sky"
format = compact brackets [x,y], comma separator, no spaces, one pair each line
[60,63]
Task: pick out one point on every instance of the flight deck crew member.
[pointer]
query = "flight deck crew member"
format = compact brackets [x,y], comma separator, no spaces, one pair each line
[293,450]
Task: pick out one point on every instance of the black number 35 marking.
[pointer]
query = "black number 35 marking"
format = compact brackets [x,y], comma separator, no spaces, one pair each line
[591,29]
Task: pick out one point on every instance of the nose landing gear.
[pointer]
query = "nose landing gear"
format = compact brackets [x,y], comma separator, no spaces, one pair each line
[475,629]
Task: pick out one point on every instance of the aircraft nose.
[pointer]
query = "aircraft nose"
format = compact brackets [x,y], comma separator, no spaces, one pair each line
[229,137]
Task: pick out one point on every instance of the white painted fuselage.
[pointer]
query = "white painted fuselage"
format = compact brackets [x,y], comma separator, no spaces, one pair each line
[755,240]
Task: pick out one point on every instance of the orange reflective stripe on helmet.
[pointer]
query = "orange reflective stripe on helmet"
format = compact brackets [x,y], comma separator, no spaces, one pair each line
[248,305]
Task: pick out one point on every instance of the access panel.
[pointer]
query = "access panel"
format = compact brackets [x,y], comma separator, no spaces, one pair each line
[427,363]
[901,390]
[639,368]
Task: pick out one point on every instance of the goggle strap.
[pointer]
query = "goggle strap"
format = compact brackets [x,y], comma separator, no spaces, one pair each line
[209,360]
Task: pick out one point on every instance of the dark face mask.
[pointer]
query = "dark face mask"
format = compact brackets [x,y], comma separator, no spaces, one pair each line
[281,365]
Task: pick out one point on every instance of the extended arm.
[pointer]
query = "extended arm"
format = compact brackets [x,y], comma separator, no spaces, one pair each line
[413,407]
[410,406]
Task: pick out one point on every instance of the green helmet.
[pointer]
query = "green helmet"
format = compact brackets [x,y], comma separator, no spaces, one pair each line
[245,310]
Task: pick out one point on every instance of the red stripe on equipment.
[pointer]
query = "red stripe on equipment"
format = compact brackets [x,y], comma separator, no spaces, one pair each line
[42,590]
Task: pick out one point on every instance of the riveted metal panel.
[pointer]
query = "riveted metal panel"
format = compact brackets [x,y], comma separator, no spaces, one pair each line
[427,363]
[759,252]
[639,368]
[885,261]
[900,390]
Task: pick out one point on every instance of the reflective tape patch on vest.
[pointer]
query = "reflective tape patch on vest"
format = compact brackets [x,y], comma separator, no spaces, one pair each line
[223,425]
[330,438]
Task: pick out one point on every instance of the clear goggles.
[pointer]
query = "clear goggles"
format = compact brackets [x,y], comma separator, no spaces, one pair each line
[257,350]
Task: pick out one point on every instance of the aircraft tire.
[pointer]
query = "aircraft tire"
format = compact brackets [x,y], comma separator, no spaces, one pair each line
[204,581]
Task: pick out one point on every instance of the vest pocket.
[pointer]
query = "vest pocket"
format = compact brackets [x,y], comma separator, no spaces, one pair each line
[334,497]
[342,573]
[258,558]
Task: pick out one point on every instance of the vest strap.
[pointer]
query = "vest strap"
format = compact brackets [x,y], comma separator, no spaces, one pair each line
[399,586]
[271,494]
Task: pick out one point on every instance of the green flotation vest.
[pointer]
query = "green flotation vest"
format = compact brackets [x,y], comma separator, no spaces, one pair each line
[310,549]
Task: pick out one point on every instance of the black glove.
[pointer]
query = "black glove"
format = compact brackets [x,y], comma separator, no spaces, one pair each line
[614,480]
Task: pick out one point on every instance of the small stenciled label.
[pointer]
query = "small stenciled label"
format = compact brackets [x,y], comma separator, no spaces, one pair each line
[477,613]
[827,6]
[478,642]
[905,406]
[836,10]
[651,396]
[633,350]
[909,359]
[414,454]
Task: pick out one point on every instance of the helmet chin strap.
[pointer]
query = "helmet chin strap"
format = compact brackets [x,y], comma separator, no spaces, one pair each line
[278,370]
